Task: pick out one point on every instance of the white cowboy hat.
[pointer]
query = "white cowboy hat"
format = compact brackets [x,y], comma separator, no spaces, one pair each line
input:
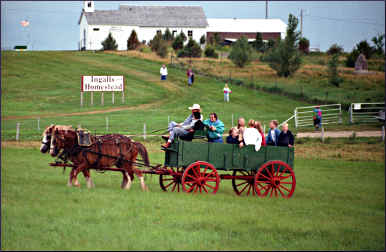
[195,106]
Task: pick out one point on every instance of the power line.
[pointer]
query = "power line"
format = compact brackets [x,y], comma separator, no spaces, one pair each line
[345,20]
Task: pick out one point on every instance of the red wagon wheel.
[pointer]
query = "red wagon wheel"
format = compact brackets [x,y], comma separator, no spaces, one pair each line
[275,178]
[200,177]
[171,181]
[245,184]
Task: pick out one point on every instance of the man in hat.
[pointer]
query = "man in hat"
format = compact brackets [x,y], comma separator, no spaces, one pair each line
[182,129]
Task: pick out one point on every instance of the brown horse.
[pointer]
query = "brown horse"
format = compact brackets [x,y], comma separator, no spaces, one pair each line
[64,138]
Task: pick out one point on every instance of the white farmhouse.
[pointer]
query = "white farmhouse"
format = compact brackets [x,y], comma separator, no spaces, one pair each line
[95,25]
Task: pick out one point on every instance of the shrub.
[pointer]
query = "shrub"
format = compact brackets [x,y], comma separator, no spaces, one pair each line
[168,36]
[210,52]
[285,57]
[304,45]
[270,44]
[178,43]
[132,42]
[183,36]
[109,43]
[241,52]
[335,48]
[333,74]
[202,39]
[155,42]
[192,49]
[162,50]
[365,48]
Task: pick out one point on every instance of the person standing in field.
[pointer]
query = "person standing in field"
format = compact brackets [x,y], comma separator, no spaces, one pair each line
[317,117]
[227,91]
[190,75]
[164,72]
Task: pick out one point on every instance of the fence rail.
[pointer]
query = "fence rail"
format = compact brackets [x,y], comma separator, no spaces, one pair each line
[365,112]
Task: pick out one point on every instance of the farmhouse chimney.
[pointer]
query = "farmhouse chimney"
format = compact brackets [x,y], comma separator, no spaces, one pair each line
[88,6]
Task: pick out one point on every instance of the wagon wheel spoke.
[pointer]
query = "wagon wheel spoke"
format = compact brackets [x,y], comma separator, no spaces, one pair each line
[264,176]
[269,173]
[273,169]
[282,194]
[174,187]
[205,189]
[195,172]
[288,183]
[195,190]
[275,192]
[285,188]
[281,178]
[249,188]
[169,184]
[242,190]
[210,186]
[285,169]
[209,174]
[242,183]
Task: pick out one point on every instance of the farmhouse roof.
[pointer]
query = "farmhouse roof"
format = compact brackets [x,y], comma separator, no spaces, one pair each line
[246,25]
[149,16]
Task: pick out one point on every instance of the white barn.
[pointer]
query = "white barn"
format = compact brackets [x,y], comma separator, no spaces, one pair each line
[95,25]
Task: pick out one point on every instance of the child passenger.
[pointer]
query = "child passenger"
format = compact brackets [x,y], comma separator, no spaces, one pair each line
[233,137]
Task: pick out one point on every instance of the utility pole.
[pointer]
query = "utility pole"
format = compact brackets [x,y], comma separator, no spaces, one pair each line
[301,22]
[266,9]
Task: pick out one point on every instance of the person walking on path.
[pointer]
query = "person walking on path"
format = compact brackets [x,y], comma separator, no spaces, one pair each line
[190,75]
[164,72]
[227,91]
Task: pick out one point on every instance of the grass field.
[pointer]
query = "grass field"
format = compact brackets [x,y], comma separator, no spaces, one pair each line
[337,205]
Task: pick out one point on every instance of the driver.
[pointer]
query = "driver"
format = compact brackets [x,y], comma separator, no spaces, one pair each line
[182,129]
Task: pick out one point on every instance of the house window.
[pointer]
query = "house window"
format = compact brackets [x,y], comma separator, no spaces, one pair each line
[190,33]
[96,29]
[159,32]
[89,4]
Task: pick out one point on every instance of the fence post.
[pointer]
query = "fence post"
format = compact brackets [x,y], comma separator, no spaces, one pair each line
[144,131]
[340,113]
[123,97]
[296,118]
[383,133]
[350,112]
[92,98]
[232,120]
[39,123]
[102,99]
[264,129]
[113,97]
[168,120]
[322,135]
[17,131]
[107,123]
[81,99]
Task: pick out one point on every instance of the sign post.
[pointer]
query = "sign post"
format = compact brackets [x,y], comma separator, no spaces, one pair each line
[102,84]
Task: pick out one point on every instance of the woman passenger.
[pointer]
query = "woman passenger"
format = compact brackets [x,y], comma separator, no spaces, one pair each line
[259,128]
[252,136]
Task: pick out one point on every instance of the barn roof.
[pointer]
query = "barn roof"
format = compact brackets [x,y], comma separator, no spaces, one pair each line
[246,25]
[149,16]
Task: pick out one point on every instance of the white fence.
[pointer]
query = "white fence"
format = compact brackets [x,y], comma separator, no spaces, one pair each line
[365,112]
[330,114]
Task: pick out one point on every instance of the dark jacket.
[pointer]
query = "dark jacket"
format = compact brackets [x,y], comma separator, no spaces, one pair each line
[231,140]
[285,139]
[269,139]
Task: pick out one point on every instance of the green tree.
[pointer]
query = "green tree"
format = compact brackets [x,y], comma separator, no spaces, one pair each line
[285,57]
[379,44]
[168,36]
[155,42]
[183,36]
[192,49]
[352,57]
[132,42]
[270,44]
[217,39]
[109,43]
[365,48]
[258,44]
[241,52]
[335,48]
[178,43]
[333,74]
[202,39]
[304,45]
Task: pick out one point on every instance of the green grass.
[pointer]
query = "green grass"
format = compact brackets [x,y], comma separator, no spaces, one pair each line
[337,205]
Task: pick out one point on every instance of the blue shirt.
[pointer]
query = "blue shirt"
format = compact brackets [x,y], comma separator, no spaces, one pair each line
[219,128]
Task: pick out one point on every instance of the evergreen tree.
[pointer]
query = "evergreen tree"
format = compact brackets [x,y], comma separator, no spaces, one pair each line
[132,42]
[333,74]
[379,44]
[241,52]
[258,44]
[304,45]
[109,43]
[167,35]
[285,57]
[178,43]
[202,39]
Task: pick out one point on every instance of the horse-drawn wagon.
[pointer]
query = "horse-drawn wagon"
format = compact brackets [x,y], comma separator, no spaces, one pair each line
[193,165]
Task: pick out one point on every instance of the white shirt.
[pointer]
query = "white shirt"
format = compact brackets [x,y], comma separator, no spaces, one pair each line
[252,137]
[163,71]
[227,90]
[273,135]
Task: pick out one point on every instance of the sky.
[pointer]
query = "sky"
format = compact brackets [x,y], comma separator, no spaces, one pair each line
[54,24]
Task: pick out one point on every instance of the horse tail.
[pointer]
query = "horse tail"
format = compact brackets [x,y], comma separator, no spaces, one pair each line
[143,152]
